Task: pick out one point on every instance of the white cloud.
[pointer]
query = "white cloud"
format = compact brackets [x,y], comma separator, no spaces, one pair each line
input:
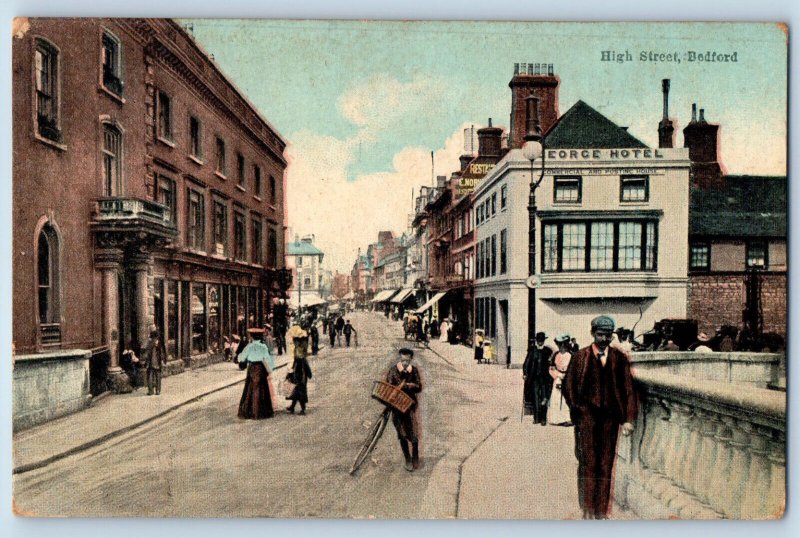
[382,102]
[345,215]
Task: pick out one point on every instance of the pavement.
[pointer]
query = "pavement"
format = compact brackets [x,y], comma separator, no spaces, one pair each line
[118,414]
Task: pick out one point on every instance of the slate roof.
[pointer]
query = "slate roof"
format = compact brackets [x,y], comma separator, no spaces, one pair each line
[583,127]
[747,206]
[301,248]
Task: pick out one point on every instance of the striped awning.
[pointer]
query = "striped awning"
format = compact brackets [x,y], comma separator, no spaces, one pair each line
[402,295]
[432,301]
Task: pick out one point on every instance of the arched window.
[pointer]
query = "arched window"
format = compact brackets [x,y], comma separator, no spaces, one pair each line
[47,279]
[112,160]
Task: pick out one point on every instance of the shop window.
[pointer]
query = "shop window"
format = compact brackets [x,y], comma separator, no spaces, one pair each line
[214,335]
[198,318]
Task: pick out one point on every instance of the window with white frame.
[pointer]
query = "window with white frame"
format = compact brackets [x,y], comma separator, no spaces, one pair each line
[756,255]
[634,188]
[195,219]
[622,245]
[167,196]
[222,161]
[503,196]
[567,189]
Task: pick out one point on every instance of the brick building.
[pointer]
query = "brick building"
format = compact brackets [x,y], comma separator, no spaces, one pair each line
[147,191]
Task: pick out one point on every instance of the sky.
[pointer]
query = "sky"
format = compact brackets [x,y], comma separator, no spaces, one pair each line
[363,104]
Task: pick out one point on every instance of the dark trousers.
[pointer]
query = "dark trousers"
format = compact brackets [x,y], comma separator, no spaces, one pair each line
[153,381]
[333,339]
[595,447]
[347,339]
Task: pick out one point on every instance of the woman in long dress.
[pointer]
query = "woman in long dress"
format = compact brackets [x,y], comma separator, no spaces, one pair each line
[558,411]
[444,329]
[256,402]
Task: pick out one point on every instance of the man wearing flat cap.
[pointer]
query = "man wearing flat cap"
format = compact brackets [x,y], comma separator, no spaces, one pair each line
[538,382]
[598,387]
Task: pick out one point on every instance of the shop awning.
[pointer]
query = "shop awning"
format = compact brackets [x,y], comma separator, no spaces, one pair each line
[308,299]
[402,295]
[383,296]
[433,300]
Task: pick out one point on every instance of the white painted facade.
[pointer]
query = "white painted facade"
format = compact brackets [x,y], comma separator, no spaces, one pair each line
[566,301]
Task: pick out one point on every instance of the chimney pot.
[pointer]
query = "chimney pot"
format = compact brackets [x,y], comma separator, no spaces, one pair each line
[694,112]
[702,115]
[490,122]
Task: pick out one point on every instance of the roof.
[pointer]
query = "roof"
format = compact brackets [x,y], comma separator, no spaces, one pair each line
[749,206]
[302,248]
[583,127]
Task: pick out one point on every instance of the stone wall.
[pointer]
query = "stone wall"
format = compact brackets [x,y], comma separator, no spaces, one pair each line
[703,449]
[751,369]
[719,299]
[49,385]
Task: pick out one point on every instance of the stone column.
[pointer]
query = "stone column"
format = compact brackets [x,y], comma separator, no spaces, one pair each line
[108,261]
[144,321]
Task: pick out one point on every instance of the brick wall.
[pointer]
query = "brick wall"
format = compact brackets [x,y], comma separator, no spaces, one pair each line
[716,300]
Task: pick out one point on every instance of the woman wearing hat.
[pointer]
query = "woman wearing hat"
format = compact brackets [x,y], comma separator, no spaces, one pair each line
[300,372]
[558,411]
[256,402]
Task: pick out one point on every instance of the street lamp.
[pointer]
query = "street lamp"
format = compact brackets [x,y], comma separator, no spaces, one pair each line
[532,149]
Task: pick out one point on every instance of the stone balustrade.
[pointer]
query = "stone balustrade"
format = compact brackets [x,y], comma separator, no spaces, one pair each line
[703,449]
[743,368]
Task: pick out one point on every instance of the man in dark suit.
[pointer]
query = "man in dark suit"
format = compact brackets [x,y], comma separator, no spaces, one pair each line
[538,382]
[598,387]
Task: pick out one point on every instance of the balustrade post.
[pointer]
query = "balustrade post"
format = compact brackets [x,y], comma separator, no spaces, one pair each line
[721,471]
[756,484]
[776,496]
[732,493]
[701,480]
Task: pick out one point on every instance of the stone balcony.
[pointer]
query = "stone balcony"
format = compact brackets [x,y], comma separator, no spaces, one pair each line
[710,439]
[134,218]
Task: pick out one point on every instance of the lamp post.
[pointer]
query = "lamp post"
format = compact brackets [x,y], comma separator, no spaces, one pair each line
[532,149]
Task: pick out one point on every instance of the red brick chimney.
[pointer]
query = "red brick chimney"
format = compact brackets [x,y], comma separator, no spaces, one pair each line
[489,141]
[666,130]
[701,139]
[532,78]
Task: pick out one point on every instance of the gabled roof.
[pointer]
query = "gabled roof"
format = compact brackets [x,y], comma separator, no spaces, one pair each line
[583,127]
[302,248]
[748,206]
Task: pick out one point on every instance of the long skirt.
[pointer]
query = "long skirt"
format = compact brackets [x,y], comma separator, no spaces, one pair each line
[558,410]
[256,402]
[300,393]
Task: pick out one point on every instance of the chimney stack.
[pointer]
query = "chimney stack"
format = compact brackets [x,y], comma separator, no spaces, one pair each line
[666,130]
[532,78]
[489,141]
[701,138]
[533,128]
